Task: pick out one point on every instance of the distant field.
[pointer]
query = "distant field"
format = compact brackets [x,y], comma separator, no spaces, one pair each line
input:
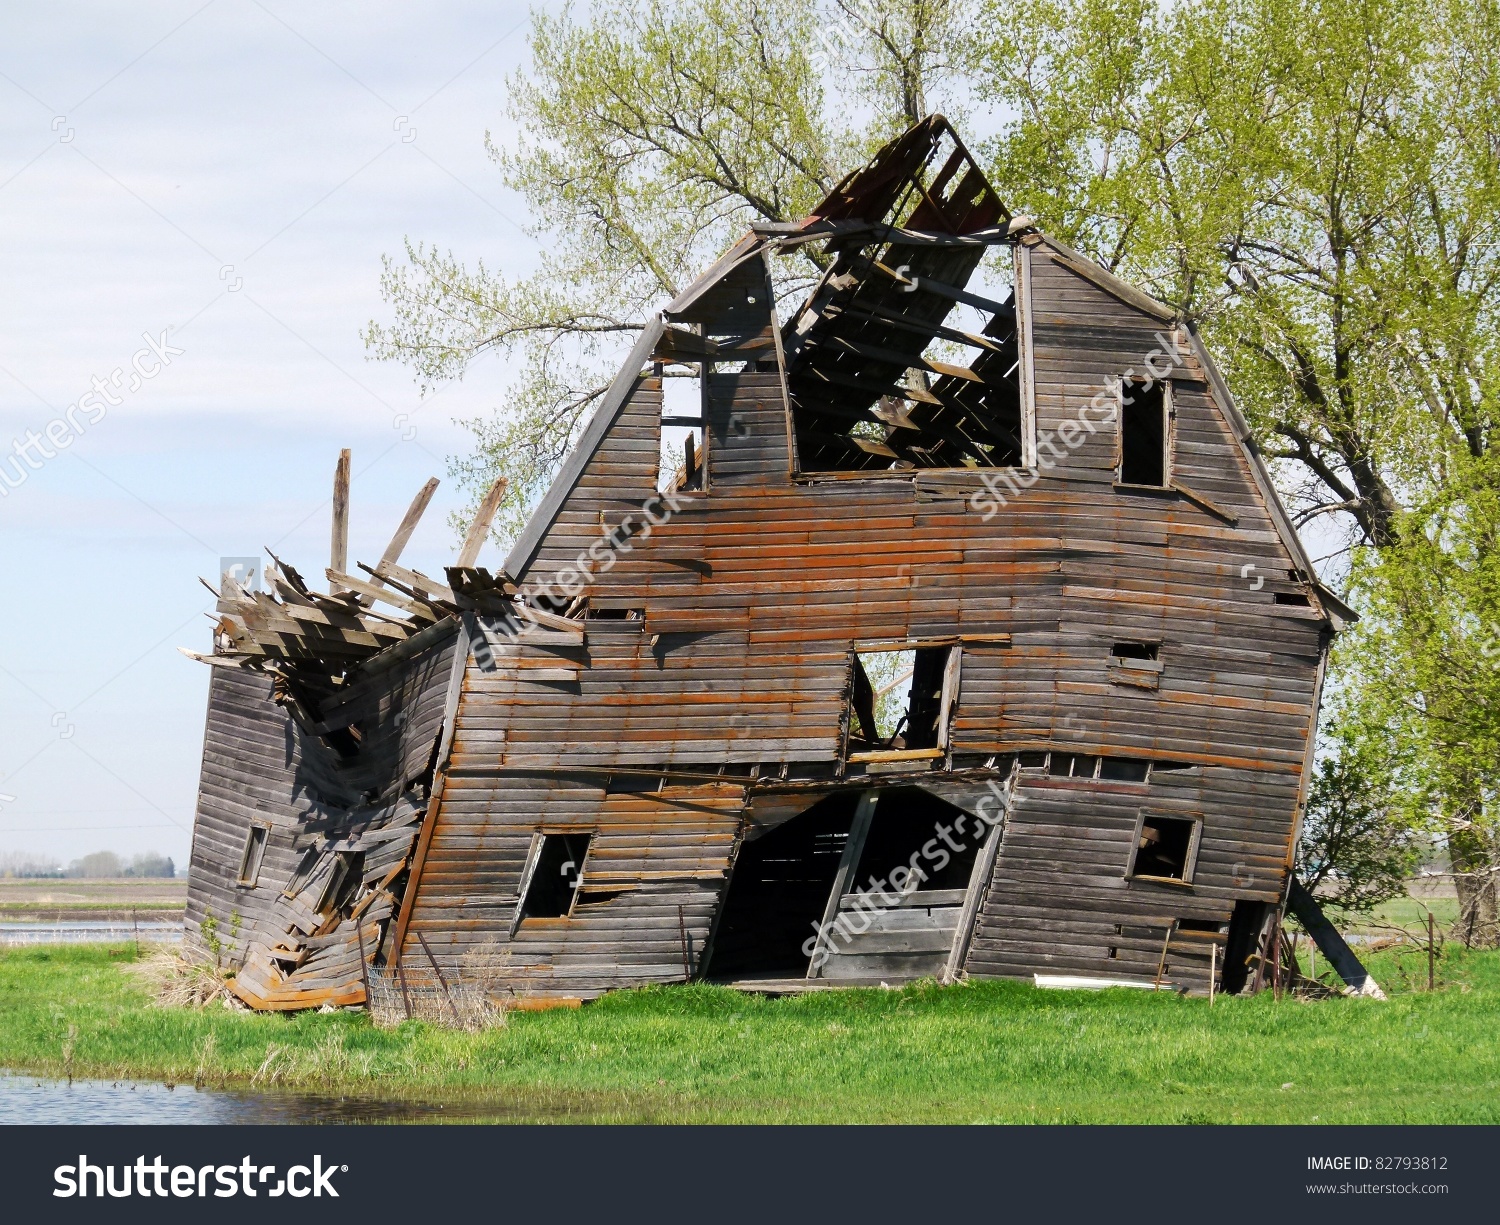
[1408,913]
[984,1052]
[43,900]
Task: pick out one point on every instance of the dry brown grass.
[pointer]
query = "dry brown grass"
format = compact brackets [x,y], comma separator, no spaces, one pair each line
[475,1002]
[176,980]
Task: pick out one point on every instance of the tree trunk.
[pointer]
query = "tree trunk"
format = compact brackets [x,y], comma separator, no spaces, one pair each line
[1475,869]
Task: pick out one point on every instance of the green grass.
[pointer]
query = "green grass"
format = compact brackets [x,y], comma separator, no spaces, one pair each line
[985,1052]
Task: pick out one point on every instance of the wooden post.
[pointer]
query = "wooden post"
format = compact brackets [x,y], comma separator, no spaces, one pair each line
[136,928]
[859,830]
[452,1007]
[1431,966]
[407,526]
[687,957]
[479,529]
[339,549]
[1276,951]
[1161,966]
[364,973]
[1213,969]
[401,979]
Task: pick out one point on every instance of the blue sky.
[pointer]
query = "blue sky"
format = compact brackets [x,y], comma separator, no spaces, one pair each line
[228,173]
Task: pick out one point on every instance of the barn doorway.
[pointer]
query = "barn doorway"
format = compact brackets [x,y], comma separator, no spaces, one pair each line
[779,891]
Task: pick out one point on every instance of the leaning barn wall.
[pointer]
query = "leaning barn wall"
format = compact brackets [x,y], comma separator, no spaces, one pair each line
[753,593]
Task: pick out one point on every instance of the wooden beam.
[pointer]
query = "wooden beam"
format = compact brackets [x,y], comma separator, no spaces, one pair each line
[859,830]
[394,598]
[895,357]
[339,550]
[398,542]
[943,290]
[1213,508]
[417,582]
[479,529]
[942,331]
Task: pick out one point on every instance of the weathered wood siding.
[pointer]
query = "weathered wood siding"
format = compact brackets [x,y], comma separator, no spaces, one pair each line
[260,766]
[753,592]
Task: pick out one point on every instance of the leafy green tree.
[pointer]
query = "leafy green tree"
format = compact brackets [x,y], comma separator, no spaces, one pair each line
[1356,851]
[1421,685]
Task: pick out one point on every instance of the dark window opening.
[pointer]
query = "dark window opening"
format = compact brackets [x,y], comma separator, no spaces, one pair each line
[1144,434]
[1202,926]
[1085,765]
[1246,925]
[633,784]
[346,741]
[1164,848]
[1294,598]
[614,614]
[1124,769]
[1072,765]
[913,829]
[342,880]
[554,876]
[254,852]
[557,605]
[1136,650]
[779,890]
[900,698]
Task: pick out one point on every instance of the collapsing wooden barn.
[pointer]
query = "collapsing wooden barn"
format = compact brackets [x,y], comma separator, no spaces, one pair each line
[968,637]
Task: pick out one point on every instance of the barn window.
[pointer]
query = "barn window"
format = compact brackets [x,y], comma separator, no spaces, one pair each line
[347,867]
[901,699]
[1136,663]
[1123,769]
[1165,848]
[1072,765]
[1145,434]
[552,876]
[254,852]
[684,454]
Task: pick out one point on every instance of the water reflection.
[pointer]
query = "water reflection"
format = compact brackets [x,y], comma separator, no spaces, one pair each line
[89,931]
[31,1100]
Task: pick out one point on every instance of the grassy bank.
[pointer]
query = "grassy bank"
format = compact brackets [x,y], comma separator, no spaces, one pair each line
[993,1051]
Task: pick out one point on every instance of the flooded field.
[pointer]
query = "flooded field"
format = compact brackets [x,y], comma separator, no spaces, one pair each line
[89,931]
[30,1100]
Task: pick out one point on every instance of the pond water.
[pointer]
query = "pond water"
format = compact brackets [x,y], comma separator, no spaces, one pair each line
[89,931]
[32,1099]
